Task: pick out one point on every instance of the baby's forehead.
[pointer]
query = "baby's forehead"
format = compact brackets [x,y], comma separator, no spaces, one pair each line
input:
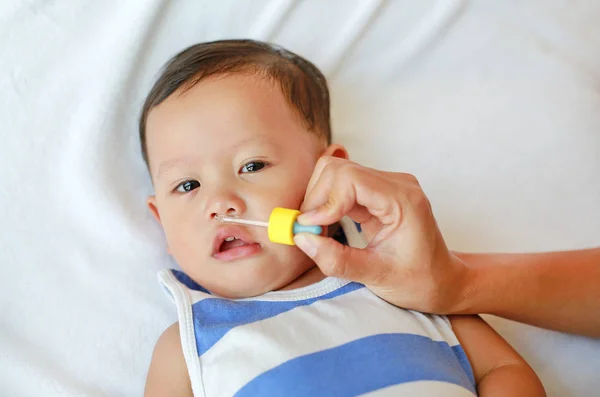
[204,146]
[231,97]
[232,104]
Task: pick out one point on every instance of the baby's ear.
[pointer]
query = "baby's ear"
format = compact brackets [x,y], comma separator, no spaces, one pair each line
[151,202]
[336,150]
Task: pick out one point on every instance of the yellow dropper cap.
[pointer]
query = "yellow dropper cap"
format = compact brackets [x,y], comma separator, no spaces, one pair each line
[282,225]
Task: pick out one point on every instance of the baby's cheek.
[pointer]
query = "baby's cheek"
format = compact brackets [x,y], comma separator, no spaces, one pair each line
[183,238]
[293,194]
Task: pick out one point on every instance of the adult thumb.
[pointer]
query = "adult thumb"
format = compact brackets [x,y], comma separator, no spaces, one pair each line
[334,259]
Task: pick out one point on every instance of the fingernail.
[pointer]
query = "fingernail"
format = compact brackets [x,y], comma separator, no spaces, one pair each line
[304,219]
[307,243]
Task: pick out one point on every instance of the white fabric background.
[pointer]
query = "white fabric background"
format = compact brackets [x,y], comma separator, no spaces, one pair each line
[494,105]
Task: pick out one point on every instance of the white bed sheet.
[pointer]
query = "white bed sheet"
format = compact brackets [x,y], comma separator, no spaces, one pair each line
[495,106]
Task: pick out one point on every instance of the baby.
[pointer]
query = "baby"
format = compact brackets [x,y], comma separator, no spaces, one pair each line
[235,128]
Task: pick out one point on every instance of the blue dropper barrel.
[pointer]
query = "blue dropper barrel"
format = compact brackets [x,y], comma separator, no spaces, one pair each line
[298,228]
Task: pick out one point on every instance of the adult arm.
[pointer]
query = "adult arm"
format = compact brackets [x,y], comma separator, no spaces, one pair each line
[555,290]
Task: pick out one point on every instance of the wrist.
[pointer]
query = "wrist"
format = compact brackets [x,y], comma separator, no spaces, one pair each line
[471,281]
[490,282]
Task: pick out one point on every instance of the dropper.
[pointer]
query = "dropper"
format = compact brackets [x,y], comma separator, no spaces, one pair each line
[282,225]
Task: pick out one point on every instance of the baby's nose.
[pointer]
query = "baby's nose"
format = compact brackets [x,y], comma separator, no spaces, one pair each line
[229,212]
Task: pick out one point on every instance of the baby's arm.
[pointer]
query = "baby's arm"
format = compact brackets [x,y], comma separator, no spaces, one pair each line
[499,370]
[168,375]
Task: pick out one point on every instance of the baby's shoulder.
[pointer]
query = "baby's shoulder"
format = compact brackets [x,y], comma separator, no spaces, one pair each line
[169,342]
[168,373]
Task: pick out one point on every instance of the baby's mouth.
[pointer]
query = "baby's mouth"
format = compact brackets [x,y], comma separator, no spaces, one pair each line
[231,243]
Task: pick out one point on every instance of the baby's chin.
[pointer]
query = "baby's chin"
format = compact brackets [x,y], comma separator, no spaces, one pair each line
[248,277]
[252,284]
[249,289]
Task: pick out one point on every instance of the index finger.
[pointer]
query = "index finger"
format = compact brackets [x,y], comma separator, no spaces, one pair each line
[347,189]
[324,162]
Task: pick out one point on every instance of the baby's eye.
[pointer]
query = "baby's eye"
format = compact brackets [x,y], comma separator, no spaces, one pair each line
[187,186]
[253,166]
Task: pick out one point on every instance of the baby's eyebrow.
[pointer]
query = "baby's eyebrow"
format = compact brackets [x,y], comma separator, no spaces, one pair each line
[168,165]
[257,140]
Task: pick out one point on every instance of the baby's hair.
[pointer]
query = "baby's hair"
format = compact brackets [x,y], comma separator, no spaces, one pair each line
[301,83]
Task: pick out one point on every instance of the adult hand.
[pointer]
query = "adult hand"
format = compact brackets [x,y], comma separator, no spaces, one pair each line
[406,261]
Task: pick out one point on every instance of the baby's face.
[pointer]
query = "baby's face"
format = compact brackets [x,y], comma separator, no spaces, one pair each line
[229,145]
